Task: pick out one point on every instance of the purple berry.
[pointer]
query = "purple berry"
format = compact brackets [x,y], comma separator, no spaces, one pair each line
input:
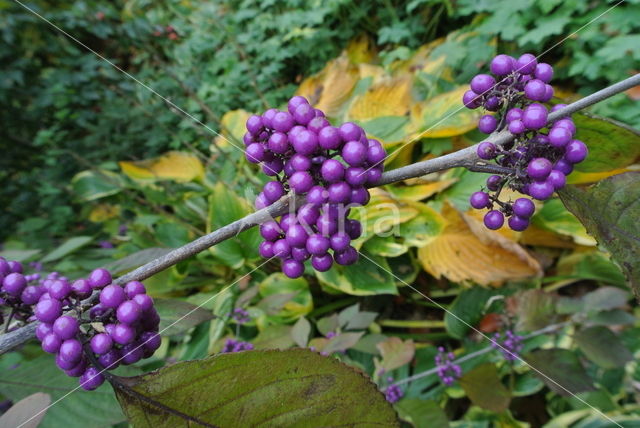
[518,223]
[48,310]
[346,257]
[308,214]
[534,118]
[133,288]
[42,330]
[91,379]
[322,263]
[355,176]
[493,220]
[14,284]
[353,228]
[526,64]
[270,230]
[255,125]
[150,340]
[557,179]
[493,182]
[535,90]
[99,278]
[317,245]
[297,236]
[278,143]
[541,190]
[482,83]
[471,100]
[144,301]
[78,370]
[300,254]
[326,225]
[523,207]
[548,93]
[281,249]
[81,288]
[514,114]
[339,193]
[375,153]
[539,168]
[101,343]
[59,289]
[303,114]
[576,151]
[559,137]
[292,268]
[300,162]
[128,312]
[332,170]
[15,266]
[516,127]
[317,124]
[51,343]
[266,249]
[111,296]
[301,182]
[261,201]
[354,153]
[479,200]
[296,101]
[66,365]
[566,123]
[486,150]
[70,350]
[305,142]
[349,131]
[123,334]
[492,103]
[267,117]
[544,72]
[487,124]
[502,65]
[282,122]
[66,327]
[359,196]
[329,138]
[273,190]
[110,360]
[272,167]
[340,241]
[131,353]
[563,166]
[317,195]
[374,175]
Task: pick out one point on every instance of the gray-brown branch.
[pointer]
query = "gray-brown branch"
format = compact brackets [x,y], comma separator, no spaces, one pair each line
[465,158]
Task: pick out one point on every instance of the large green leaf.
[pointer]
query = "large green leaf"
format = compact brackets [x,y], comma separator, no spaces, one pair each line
[68,247]
[561,370]
[466,311]
[78,409]
[422,413]
[293,388]
[298,304]
[603,347]
[611,144]
[610,211]
[484,388]
[370,275]
[91,185]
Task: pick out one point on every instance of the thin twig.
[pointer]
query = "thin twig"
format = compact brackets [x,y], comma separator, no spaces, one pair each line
[466,158]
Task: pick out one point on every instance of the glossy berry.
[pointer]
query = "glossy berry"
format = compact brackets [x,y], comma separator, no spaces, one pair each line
[340,241]
[322,263]
[482,83]
[541,190]
[493,220]
[131,353]
[70,350]
[51,343]
[14,284]
[317,245]
[332,170]
[349,131]
[486,150]
[557,179]
[487,124]
[516,127]
[297,236]
[339,192]
[42,330]
[535,90]
[282,121]
[576,151]
[359,196]
[292,268]
[544,72]
[128,312]
[563,166]
[300,254]
[266,249]
[133,288]
[303,114]
[523,207]
[493,182]
[254,124]
[144,301]
[123,334]
[517,223]
[526,64]
[471,100]
[502,65]
[91,379]
[48,310]
[112,296]
[559,137]
[347,257]
[295,101]
[281,249]
[539,168]
[66,327]
[567,124]
[534,118]
[329,138]
[81,288]
[354,153]
[514,114]
[270,230]
[99,278]
[479,200]
[101,343]
[110,360]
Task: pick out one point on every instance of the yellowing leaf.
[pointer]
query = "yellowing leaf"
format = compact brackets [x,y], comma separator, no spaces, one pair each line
[382,213]
[395,353]
[461,256]
[577,177]
[361,50]
[443,116]
[419,192]
[331,88]
[233,128]
[103,212]
[545,238]
[178,166]
[369,70]
[391,97]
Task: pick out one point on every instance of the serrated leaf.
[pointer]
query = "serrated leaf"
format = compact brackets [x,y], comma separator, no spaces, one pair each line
[177,166]
[277,388]
[28,412]
[483,387]
[603,347]
[395,353]
[178,316]
[68,247]
[610,212]
[478,255]
[560,370]
[78,409]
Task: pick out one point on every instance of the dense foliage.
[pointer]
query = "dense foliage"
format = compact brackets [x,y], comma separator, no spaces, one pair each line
[100,172]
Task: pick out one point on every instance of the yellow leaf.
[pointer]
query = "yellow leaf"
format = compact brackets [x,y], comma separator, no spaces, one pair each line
[577,177]
[382,213]
[443,116]
[331,88]
[419,192]
[361,50]
[233,128]
[390,97]
[419,58]
[103,212]
[369,70]
[178,166]
[537,236]
[485,258]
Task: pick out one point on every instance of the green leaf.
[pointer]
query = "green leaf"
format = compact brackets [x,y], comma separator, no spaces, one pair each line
[68,247]
[612,317]
[299,302]
[385,246]
[178,316]
[422,413]
[90,185]
[369,276]
[483,387]
[560,370]
[467,310]
[293,388]
[535,308]
[342,342]
[603,347]
[554,217]
[28,412]
[386,128]
[79,409]
[19,255]
[611,144]
[610,211]
[605,298]
[527,384]
[136,259]
[274,337]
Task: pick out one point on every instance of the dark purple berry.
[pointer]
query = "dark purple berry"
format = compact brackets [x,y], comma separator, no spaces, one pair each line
[66,327]
[70,350]
[51,343]
[502,65]
[541,190]
[482,83]
[576,151]
[48,310]
[559,137]
[479,200]
[518,223]
[493,220]
[101,343]
[322,263]
[112,296]
[523,207]
[486,150]
[91,379]
[539,168]
[99,278]
[487,124]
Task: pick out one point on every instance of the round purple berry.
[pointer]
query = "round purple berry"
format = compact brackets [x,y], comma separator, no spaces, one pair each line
[346,257]
[471,100]
[535,90]
[91,379]
[332,170]
[543,72]
[110,360]
[329,138]
[292,268]
[101,343]
[559,136]
[563,166]
[99,278]
[282,121]
[111,296]
[297,236]
[131,353]
[270,230]
[296,101]
[322,263]
[48,310]
[14,284]
[576,151]
[349,131]
[128,312]
[539,168]
[281,249]
[516,127]
[305,142]
[526,64]
[273,190]
[523,207]
[482,83]
[541,190]
[514,114]
[534,118]
[486,150]
[502,65]
[51,343]
[144,301]
[303,114]
[81,288]
[123,334]
[317,245]
[359,196]
[70,350]
[493,182]
[354,153]
[557,179]
[487,124]
[300,254]
[479,200]
[517,223]
[493,220]
[301,182]
[66,327]
[266,249]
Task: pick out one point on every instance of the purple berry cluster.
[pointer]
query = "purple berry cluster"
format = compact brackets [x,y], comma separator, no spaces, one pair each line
[540,157]
[19,291]
[330,165]
[509,344]
[393,393]
[448,371]
[232,345]
[121,328]
[240,316]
